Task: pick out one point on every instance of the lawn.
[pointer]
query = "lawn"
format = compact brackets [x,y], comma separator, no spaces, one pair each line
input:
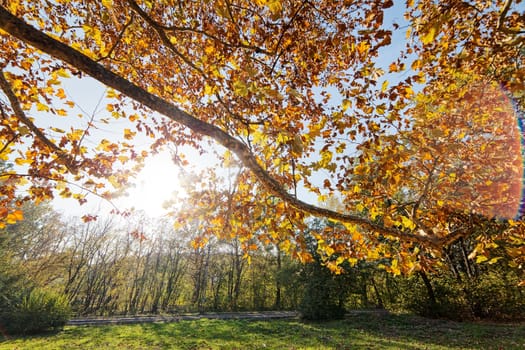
[359,331]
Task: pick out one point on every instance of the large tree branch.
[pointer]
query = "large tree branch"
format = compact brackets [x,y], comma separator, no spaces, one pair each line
[20,114]
[26,33]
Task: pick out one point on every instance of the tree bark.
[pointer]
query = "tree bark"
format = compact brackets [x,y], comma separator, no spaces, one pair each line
[278,305]
[430,289]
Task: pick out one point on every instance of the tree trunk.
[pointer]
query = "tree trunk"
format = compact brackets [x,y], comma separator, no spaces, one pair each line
[430,289]
[278,305]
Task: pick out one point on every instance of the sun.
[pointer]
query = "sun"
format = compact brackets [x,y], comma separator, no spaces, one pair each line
[155,184]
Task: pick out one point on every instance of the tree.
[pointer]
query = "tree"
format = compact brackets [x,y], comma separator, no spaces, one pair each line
[29,257]
[36,243]
[324,293]
[291,88]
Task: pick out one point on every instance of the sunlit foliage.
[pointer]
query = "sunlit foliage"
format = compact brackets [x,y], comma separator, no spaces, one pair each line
[305,94]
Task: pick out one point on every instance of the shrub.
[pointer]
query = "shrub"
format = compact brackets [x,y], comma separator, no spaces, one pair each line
[324,294]
[38,311]
[496,295]
[492,295]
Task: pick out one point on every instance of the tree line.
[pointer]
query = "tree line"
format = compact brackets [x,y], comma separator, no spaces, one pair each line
[108,267]
[146,266]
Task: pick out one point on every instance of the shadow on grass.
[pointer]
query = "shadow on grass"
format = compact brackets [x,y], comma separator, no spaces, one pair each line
[245,334]
[359,331]
[366,331]
[448,334]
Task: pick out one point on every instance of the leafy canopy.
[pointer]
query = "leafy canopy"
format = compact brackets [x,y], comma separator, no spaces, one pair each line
[297,91]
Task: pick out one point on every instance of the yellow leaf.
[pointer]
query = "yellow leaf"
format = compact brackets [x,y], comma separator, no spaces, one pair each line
[282,138]
[352,261]
[15,216]
[329,251]
[128,134]
[208,90]
[106,146]
[76,134]
[240,88]
[326,158]
[111,93]
[4,155]
[22,161]
[393,68]
[258,137]
[57,130]
[346,104]
[61,112]
[481,258]
[275,6]
[42,107]
[384,86]
[416,64]
[409,92]
[363,47]
[427,156]
[228,158]
[408,223]
[394,268]
[494,260]
[63,73]
[374,213]
[429,36]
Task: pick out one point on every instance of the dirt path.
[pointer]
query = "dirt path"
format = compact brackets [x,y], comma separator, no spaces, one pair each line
[263,315]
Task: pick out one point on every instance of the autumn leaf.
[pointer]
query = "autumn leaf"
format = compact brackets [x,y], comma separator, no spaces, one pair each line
[107,3]
[42,107]
[128,134]
[240,88]
[14,217]
[430,35]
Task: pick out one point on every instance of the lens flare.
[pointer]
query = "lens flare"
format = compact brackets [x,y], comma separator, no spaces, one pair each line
[481,168]
[521,127]
[505,200]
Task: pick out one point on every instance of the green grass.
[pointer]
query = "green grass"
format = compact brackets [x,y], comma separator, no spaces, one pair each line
[361,331]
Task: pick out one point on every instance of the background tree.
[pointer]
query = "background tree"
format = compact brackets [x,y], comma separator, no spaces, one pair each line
[325,293]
